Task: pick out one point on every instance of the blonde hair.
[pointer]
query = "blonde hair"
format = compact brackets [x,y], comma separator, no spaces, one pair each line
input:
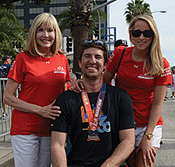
[50,21]
[154,61]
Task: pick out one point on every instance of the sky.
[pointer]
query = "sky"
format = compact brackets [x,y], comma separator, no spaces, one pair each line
[165,23]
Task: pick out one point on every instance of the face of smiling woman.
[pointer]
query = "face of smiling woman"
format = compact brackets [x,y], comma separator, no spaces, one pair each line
[141,43]
[45,38]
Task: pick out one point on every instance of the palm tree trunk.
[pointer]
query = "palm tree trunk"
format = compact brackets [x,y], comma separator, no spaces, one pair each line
[81,20]
[79,33]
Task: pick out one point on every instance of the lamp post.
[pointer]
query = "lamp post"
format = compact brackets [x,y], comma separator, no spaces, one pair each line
[98,7]
[99,21]
[161,11]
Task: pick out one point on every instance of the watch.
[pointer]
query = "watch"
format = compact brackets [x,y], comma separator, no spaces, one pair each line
[149,135]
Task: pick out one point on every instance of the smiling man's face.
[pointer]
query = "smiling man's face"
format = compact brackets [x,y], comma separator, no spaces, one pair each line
[92,62]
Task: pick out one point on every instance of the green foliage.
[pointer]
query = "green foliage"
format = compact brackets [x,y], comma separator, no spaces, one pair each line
[64,19]
[12,36]
[136,7]
[96,18]
[173,67]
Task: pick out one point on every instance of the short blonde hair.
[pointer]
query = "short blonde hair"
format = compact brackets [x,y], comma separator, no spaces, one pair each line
[50,21]
[154,61]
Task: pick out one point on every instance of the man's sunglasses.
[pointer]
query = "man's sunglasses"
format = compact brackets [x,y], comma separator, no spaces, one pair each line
[146,33]
[87,42]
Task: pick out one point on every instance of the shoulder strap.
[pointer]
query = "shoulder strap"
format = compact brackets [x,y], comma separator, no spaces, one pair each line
[119,64]
[120,59]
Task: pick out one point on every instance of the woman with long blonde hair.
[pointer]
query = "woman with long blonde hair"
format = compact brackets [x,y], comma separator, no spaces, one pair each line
[144,74]
[42,71]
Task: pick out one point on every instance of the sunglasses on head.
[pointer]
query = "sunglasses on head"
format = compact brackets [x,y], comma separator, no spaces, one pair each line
[87,42]
[146,33]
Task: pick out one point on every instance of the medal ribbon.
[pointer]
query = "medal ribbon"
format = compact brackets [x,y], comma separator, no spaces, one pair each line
[94,118]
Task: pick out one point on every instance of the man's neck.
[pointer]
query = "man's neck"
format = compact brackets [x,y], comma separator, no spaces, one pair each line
[92,86]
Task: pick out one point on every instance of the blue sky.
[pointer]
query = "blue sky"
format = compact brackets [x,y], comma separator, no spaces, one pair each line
[165,23]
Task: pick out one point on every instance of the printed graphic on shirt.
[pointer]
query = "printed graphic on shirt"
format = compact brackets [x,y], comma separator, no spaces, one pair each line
[60,70]
[167,71]
[145,76]
[103,124]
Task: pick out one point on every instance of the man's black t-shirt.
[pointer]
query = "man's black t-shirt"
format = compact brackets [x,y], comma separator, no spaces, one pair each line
[116,115]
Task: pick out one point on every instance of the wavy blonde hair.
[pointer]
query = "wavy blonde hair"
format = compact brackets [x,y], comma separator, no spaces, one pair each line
[50,21]
[154,61]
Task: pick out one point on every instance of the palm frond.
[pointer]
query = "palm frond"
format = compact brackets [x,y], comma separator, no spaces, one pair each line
[136,7]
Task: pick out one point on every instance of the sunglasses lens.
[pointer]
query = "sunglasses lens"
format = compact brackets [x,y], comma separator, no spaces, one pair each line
[87,42]
[136,33]
[98,43]
[147,33]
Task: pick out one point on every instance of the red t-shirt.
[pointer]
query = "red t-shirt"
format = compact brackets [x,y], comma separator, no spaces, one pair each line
[139,86]
[68,86]
[42,80]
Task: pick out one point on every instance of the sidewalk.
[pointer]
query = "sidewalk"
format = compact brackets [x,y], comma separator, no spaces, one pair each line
[166,153]
[6,152]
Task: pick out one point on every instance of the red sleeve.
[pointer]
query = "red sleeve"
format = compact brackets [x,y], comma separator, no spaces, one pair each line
[165,78]
[68,86]
[114,60]
[67,71]
[17,69]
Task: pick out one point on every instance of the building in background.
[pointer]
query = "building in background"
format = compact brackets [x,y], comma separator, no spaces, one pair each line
[27,11]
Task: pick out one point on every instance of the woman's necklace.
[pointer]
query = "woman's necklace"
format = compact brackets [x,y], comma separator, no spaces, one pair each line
[139,65]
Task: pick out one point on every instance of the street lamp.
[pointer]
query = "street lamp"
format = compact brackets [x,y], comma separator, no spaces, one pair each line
[98,7]
[99,21]
[161,11]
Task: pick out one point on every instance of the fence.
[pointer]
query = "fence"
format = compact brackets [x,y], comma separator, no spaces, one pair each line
[5,122]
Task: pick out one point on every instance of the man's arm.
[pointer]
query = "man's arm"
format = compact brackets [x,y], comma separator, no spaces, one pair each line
[123,150]
[58,154]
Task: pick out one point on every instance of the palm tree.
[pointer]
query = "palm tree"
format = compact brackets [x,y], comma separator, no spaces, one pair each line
[136,7]
[64,19]
[82,23]
[12,36]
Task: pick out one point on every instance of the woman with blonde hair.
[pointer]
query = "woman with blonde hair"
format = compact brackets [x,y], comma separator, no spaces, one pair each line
[42,70]
[144,74]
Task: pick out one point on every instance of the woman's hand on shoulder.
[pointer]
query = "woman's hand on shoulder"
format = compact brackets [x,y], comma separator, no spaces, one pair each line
[50,111]
[77,85]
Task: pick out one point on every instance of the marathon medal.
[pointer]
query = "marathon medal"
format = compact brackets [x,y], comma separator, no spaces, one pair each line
[93,135]
[93,119]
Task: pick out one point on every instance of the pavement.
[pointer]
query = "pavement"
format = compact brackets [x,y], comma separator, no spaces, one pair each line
[165,156]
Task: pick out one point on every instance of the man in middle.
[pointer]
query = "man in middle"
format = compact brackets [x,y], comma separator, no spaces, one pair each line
[99,120]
